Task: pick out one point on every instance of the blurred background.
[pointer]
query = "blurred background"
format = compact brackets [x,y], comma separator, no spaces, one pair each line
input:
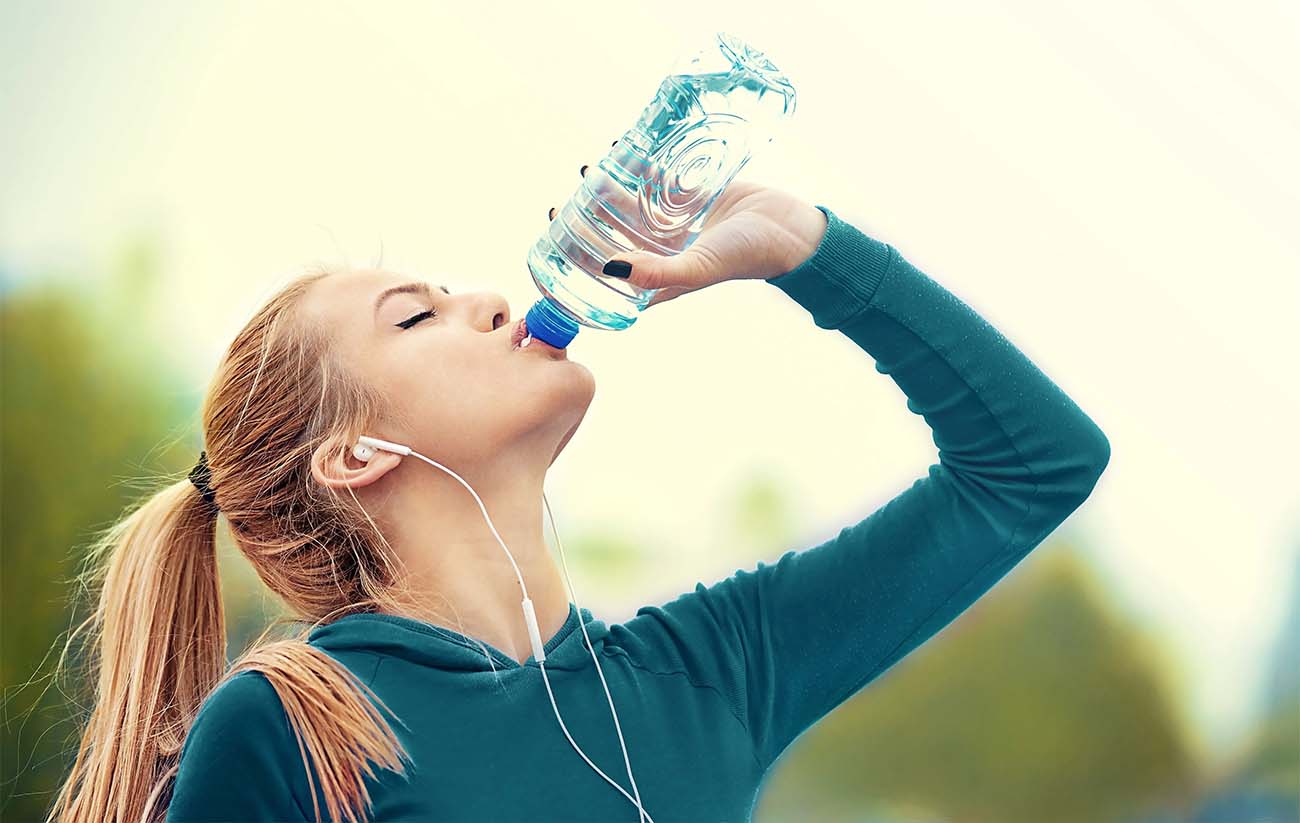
[1114,186]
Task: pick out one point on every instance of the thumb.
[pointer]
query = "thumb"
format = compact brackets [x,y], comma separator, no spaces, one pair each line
[656,271]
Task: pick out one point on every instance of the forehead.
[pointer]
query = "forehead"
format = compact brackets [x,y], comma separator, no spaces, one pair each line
[351,293]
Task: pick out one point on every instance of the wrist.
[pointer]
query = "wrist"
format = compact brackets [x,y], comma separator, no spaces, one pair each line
[807,230]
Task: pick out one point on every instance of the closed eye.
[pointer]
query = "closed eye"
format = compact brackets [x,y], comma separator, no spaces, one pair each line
[413,319]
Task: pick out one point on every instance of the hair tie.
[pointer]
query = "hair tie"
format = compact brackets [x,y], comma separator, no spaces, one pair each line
[201,476]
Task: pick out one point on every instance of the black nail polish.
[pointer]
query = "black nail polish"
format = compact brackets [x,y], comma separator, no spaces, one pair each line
[618,268]
[583,171]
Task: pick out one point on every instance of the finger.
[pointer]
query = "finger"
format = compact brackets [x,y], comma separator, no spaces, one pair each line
[656,271]
[664,295]
[661,296]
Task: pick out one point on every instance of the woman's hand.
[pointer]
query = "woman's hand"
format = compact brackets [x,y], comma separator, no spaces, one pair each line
[751,232]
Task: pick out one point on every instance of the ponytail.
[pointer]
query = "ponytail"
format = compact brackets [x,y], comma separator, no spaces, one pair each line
[160,637]
[158,634]
[337,728]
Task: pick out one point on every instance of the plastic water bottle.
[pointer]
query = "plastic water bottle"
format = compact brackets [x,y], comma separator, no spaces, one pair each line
[653,189]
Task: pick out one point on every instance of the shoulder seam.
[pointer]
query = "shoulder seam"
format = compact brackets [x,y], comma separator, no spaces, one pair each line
[730,709]
[299,775]
[379,660]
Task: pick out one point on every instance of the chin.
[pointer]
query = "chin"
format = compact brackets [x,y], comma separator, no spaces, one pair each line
[580,390]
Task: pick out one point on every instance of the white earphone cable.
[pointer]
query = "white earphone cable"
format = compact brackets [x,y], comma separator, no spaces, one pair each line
[618,728]
[644,815]
[485,516]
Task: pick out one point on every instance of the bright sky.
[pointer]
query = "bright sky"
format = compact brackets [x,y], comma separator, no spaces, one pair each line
[1113,185]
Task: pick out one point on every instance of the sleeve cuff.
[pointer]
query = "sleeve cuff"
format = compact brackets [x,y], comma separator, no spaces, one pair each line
[840,278]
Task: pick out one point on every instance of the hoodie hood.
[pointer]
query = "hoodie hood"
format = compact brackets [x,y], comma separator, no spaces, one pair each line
[442,648]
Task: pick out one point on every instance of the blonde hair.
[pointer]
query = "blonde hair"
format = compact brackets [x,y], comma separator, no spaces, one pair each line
[157,633]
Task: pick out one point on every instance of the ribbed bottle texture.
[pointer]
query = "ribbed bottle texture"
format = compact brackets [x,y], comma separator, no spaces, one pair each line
[654,188]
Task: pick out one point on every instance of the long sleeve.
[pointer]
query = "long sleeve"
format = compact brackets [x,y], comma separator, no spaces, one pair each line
[241,761]
[786,642]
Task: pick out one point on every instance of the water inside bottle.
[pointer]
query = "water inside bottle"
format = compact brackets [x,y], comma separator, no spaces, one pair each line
[652,190]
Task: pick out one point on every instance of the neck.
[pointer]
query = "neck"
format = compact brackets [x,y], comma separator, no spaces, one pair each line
[455,566]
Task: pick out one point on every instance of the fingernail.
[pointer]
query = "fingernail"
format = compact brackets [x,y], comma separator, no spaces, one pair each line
[618,268]
[612,145]
[550,213]
[583,171]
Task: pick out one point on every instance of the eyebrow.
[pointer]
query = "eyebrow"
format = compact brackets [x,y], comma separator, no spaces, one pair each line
[406,288]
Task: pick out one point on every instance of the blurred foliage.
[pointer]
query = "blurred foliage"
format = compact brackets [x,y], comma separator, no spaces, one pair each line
[1040,703]
[1272,761]
[761,518]
[606,554]
[1261,780]
[87,413]
[1036,704]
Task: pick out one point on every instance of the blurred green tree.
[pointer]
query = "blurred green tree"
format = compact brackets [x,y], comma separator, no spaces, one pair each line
[89,408]
[1273,761]
[1037,704]
[763,522]
[1265,768]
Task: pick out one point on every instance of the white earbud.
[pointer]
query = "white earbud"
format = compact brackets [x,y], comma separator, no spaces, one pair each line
[366,447]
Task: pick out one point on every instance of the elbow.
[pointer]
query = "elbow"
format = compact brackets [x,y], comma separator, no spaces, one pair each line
[1088,466]
[1103,453]
[1074,475]
[1061,487]
[1098,452]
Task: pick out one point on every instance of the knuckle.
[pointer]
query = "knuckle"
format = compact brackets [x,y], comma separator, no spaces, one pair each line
[702,260]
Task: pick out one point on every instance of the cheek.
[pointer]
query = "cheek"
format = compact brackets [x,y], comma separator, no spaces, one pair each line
[430,395]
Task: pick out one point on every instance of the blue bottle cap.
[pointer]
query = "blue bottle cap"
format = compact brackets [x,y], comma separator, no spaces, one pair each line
[549,324]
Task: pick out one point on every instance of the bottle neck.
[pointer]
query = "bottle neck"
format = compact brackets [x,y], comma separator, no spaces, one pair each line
[549,323]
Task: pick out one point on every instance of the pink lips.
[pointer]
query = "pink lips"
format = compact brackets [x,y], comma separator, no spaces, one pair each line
[520,331]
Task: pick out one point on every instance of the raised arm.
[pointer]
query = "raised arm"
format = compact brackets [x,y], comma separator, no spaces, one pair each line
[789,641]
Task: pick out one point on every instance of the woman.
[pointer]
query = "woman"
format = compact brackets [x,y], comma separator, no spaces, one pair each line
[380,709]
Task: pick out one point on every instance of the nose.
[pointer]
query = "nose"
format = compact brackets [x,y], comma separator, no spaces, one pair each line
[491,311]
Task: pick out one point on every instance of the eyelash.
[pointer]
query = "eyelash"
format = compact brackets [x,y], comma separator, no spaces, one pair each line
[413,319]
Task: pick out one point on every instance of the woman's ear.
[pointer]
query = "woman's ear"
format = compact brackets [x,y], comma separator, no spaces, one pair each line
[337,468]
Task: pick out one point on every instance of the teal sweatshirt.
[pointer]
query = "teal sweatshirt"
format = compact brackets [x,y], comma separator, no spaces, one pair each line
[713,686]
